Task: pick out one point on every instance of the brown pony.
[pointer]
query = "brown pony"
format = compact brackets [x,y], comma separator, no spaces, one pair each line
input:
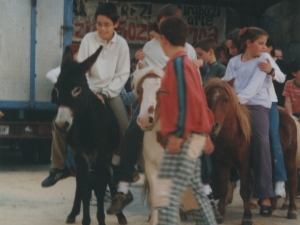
[231,136]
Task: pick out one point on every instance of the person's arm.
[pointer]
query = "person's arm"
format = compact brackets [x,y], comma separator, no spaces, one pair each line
[288,105]
[121,74]
[1,114]
[229,72]
[127,97]
[271,68]
[252,88]
[53,74]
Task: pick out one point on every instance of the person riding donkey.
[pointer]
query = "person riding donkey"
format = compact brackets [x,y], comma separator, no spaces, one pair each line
[106,78]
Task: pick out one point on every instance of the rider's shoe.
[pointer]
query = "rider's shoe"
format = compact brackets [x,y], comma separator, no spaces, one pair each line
[218,217]
[280,189]
[56,175]
[119,201]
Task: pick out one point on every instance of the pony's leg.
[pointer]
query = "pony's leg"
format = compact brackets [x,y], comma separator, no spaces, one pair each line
[113,191]
[292,178]
[245,190]
[223,173]
[151,174]
[100,187]
[76,205]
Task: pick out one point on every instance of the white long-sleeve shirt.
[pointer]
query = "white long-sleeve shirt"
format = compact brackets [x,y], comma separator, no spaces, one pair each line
[279,77]
[111,70]
[251,84]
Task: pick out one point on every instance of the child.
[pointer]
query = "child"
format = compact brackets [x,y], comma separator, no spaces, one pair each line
[291,90]
[233,42]
[205,50]
[223,54]
[133,136]
[111,70]
[252,88]
[181,90]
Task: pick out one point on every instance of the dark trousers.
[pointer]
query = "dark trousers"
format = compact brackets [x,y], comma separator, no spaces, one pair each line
[132,142]
[261,155]
[205,168]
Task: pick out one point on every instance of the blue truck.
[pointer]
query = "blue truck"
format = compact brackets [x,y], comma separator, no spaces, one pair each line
[33,34]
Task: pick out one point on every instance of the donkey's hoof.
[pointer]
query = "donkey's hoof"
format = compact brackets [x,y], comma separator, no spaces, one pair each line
[70,220]
[122,221]
[246,222]
[292,215]
[284,207]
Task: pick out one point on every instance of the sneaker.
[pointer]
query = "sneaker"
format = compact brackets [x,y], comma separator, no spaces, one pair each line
[93,201]
[218,217]
[119,201]
[280,189]
[107,197]
[56,175]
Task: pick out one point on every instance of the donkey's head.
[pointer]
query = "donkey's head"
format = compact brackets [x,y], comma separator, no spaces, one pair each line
[147,83]
[72,89]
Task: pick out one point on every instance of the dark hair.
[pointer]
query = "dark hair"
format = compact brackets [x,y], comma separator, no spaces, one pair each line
[175,30]
[206,44]
[234,36]
[223,48]
[294,65]
[252,34]
[109,10]
[154,27]
[168,10]
[270,43]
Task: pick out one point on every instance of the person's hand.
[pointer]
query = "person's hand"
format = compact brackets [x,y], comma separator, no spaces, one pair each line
[198,63]
[265,67]
[139,55]
[100,97]
[174,144]
[1,114]
[209,146]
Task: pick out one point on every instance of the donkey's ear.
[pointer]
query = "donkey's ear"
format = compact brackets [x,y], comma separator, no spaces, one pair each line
[231,82]
[87,64]
[68,55]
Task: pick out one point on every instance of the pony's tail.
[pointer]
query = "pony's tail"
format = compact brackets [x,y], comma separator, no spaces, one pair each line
[145,191]
[298,140]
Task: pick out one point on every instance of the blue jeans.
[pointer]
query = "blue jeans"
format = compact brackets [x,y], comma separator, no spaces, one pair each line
[279,173]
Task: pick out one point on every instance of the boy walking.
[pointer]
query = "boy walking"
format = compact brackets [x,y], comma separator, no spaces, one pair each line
[206,49]
[184,119]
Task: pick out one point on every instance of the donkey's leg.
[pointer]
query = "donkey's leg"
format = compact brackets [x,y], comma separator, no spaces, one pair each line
[113,191]
[151,176]
[223,173]
[84,186]
[76,205]
[245,191]
[100,180]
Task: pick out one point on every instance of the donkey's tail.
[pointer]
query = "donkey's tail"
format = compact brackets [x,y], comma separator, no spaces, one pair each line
[298,139]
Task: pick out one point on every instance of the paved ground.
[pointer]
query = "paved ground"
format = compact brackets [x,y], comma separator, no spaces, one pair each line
[24,202]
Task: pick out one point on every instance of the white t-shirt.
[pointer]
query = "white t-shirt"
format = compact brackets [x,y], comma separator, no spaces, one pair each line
[111,70]
[155,56]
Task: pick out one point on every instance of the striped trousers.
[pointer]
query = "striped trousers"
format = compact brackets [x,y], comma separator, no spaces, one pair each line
[176,173]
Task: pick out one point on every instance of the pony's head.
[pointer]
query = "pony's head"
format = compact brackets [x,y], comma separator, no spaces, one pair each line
[147,84]
[222,100]
[72,89]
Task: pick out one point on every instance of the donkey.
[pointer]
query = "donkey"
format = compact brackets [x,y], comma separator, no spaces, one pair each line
[147,84]
[92,132]
[231,136]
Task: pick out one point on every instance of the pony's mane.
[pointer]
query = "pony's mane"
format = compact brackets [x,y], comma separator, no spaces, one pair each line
[241,111]
[139,74]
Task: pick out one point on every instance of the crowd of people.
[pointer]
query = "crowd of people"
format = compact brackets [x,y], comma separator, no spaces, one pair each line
[262,81]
